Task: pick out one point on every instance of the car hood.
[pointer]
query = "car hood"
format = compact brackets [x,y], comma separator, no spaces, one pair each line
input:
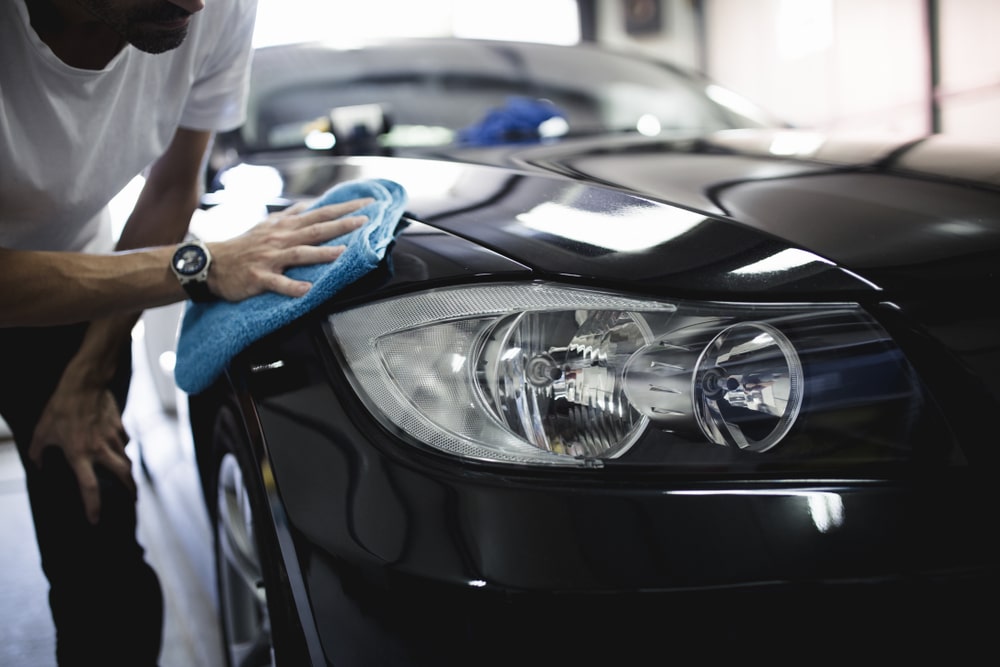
[890,212]
[736,212]
[723,214]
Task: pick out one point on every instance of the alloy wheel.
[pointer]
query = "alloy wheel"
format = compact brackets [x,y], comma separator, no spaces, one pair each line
[242,596]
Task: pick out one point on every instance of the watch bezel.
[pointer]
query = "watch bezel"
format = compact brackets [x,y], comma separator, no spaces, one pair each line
[200,271]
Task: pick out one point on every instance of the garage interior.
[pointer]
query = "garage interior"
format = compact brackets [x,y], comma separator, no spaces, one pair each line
[899,67]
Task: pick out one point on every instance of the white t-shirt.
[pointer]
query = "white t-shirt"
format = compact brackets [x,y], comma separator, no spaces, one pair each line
[71,139]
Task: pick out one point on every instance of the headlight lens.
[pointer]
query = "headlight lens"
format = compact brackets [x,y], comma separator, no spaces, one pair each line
[553,375]
[748,387]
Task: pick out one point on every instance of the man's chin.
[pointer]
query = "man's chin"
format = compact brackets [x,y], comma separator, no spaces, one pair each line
[160,42]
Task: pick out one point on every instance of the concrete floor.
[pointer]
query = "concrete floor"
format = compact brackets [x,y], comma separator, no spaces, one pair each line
[26,634]
[173,527]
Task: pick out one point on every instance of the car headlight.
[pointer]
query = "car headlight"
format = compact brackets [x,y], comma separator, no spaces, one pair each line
[553,375]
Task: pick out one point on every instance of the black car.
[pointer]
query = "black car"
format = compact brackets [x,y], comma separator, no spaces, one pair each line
[619,399]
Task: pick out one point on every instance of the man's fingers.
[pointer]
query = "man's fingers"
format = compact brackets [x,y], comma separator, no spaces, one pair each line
[35,452]
[330,212]
[122,439]
[90,490]
[120,466]
[297,207]
[280,284]
[288,212]
[306,255]
[304,240]
[300,256]
[321,232]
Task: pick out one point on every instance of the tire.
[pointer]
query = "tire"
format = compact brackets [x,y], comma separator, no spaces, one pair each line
[251,582]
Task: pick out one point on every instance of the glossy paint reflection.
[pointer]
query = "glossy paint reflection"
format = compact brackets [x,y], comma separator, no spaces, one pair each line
[824,508]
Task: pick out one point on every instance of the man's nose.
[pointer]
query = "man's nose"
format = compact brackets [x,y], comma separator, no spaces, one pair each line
[192,6]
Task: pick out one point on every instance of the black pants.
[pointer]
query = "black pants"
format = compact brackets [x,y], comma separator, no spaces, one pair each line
[105,599]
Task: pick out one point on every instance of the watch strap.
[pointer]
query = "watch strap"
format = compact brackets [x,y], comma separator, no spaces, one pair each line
[198,291]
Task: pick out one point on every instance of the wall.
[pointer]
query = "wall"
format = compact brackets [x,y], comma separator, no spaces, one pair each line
[676,39]
[856,66]
[859,66]
[969,89]
[348,22]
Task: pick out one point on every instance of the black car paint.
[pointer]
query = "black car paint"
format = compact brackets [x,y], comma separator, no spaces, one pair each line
[404,556]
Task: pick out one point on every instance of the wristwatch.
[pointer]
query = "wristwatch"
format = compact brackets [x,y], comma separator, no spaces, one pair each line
[190,264]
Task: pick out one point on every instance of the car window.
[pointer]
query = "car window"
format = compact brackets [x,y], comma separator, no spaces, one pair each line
[431,90]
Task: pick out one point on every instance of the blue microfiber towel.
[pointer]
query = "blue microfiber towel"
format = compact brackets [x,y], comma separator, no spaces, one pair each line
[213,333]
[515,122]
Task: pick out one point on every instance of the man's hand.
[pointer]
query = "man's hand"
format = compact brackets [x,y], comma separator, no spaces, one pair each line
[255,262]
[85,423]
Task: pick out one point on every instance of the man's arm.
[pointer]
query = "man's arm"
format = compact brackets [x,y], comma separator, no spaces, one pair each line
[161,217]
[47,288]
[170,196]
[81,417]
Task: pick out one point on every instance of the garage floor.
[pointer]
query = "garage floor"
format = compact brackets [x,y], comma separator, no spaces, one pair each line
[191,637]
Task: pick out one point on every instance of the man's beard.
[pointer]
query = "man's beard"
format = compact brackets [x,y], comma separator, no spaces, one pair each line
[140,26]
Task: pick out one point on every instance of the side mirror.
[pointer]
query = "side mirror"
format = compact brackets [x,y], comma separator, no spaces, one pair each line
[355,130]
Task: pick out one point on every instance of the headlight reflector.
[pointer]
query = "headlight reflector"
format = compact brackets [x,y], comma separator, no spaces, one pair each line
[748,387]
[570,398]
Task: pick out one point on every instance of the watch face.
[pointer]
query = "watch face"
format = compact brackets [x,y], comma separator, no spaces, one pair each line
[189,260]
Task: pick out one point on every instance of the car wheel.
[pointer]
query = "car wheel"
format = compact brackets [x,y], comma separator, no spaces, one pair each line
[242,594]
[252,584]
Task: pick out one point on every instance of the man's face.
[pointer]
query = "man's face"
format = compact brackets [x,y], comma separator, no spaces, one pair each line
[153,26]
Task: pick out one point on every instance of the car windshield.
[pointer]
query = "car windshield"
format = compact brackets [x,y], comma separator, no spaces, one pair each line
[427,91]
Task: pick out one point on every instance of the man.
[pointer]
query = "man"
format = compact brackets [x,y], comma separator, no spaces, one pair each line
[93,92]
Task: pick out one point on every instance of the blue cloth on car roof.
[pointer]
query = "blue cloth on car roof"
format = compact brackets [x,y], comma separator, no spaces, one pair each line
[213,333]
[517,121]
